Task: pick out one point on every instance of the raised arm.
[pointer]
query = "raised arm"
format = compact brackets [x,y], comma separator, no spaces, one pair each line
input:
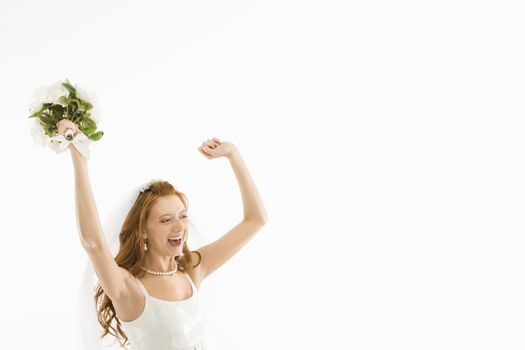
[112,277]
[215,254]
[88,221]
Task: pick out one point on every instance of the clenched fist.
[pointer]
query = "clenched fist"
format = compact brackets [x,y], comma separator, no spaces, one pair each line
[65,124]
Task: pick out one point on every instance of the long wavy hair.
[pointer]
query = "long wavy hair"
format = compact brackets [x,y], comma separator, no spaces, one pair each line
[131,253]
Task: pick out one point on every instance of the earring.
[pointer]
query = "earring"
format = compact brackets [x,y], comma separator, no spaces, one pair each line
[145,242]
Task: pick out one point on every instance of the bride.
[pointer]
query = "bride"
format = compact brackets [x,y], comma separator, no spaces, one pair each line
[148,293]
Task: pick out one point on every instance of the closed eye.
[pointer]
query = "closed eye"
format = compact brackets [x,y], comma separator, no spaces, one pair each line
[184,216]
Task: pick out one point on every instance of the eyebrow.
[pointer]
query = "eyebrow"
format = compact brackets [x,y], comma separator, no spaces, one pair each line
[182,211]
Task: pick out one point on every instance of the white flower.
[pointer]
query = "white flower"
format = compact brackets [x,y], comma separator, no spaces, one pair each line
[49,94]
[38,133]
[34,106]
[40,137]
[54,145]
[93,114]
[85,95]
[88,95]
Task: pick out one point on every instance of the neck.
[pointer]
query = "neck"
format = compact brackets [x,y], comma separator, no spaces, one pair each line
[160,263]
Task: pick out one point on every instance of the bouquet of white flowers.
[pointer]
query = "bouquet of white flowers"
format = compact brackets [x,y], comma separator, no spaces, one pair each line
[61,101]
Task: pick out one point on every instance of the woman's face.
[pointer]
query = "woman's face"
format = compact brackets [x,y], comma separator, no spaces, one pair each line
[167,219]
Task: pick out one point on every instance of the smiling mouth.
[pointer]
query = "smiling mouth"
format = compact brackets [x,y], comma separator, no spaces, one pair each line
[175,242]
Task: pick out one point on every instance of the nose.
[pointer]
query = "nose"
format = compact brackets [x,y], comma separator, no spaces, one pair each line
[178,226]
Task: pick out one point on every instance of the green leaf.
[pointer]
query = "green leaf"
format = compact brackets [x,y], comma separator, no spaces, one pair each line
[87,125]
[45,116]
[81,106]
[69,87]
[89,121]
[96,136]
[57,111]
[58,108]
[88,130]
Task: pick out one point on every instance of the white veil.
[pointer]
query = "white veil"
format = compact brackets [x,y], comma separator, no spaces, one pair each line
[89,329]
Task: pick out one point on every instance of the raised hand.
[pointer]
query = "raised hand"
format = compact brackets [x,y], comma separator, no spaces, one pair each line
[62,127]
[215,148]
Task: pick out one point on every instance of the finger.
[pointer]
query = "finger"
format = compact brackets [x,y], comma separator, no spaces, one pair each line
[208,145]
[204,153]
[216,140]
[209,150]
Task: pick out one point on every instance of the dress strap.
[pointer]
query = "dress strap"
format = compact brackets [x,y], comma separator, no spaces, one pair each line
[142,287]
[193,286]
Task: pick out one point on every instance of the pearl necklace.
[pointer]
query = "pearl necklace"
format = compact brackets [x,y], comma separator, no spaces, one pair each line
[162,273]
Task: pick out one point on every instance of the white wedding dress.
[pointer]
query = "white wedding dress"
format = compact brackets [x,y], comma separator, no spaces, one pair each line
[167,325]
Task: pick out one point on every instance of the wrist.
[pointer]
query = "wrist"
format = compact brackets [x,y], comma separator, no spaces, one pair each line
[74,151]
[234,155]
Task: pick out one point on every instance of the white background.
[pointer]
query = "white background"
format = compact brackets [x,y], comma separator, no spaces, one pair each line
[385,138]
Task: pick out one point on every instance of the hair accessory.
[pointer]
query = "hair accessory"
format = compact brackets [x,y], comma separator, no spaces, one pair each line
[147,185]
